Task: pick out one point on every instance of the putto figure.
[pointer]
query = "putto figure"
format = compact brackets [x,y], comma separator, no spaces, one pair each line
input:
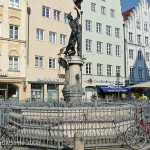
[75,35]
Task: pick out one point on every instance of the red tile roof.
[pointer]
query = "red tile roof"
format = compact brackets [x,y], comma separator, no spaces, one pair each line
[127,13]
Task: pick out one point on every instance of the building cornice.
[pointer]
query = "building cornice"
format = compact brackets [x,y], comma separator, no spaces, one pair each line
[13,40]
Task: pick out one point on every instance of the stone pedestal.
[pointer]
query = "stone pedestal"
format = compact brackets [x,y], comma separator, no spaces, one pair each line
[73,90]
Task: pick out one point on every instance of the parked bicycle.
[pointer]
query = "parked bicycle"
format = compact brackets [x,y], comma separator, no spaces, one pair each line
[7,137]
[136,135]
[119,135]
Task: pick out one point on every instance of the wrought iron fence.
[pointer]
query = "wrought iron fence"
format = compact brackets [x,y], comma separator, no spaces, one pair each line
[53,124]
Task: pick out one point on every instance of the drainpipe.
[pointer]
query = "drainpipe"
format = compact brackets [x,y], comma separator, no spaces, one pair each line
[28,31]
[124,51]
[81,45]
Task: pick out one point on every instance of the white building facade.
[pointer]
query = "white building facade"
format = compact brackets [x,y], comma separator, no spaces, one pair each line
[137,45]
[103,47]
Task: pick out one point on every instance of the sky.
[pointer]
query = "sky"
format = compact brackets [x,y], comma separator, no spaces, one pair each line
[127,4]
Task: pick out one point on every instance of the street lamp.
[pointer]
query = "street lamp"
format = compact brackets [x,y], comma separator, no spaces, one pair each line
[118,81]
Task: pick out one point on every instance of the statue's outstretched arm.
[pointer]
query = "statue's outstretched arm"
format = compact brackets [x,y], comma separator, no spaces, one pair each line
[78,14]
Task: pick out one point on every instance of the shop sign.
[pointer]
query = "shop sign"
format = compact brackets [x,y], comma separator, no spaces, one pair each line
[3,74]
[51,80]
[90,81]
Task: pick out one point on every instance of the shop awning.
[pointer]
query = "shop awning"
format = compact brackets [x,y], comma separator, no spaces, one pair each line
[114,89]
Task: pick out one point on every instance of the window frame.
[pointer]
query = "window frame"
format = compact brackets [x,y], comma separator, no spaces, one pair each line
[12,3]
[88,45]
[13,63]
[89,68]
[109,49]
[44,10]
[99,47]
[88,25]
[52,37]
[57,15]
[63,39]
[99,69]
[53,63]
[109,70]
[38,34]
[14,35]
[38,62]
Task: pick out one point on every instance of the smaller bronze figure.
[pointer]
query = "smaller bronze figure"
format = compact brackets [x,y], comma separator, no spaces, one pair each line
[62,62]
[75,35]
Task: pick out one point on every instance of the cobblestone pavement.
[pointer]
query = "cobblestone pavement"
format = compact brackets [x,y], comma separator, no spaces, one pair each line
[147,147]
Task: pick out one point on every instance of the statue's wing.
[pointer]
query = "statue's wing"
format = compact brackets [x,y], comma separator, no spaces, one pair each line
[61,51]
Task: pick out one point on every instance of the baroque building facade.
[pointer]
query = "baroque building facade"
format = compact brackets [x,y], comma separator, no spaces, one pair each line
[103,48]
[137,44]
[12,49]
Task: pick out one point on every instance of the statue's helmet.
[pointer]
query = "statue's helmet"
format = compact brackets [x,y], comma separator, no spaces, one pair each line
[78,3]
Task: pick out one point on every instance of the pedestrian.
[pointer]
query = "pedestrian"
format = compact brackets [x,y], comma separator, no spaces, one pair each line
[143,96]
[131,96]
[93,98]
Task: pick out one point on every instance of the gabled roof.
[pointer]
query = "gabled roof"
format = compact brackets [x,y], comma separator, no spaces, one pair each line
[127,13]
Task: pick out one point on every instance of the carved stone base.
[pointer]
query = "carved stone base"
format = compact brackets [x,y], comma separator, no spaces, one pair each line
[73,93]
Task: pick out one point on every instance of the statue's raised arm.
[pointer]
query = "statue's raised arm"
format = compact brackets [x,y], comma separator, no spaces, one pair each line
[78,14]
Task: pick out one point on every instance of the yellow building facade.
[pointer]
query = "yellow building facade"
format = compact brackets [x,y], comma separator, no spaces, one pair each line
[12,49]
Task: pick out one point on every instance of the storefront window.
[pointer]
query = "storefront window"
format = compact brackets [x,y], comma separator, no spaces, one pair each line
[37,91]
[52,92]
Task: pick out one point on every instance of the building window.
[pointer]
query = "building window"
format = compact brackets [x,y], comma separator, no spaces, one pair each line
[130,37]
[62,39]
[131,72]
[52,37]
[98,27]
[89,68]
[118,50]
[109,46]
[138,25]
[118,70]
[37,91]
[147,56]
[52,91]
[103,10]
[39,61]
[139,55]
[57,15]
[14,3]
[52,63]
[109,70]
[131,53]
[117,32]
[13,32]
[139,39]
[99,69]
[148,73]
[88,44]
[66,18]
[112,13]
[88,25]
[146,27]
[93,7]
[108,30]
[99,47]
[40,34]
[146,41]
[13,63]
[45,11]
[140,73]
